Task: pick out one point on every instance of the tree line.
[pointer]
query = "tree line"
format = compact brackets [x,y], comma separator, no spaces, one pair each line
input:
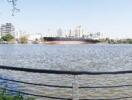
[8,38]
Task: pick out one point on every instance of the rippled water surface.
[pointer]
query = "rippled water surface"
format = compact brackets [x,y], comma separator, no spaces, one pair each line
[68,57]
[95,57]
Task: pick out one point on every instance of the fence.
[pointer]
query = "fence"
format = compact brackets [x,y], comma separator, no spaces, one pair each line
[75,86]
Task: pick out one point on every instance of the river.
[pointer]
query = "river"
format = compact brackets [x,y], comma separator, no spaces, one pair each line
[83,57]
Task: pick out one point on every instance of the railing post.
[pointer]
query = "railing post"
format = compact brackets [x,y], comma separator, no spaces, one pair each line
[75,90]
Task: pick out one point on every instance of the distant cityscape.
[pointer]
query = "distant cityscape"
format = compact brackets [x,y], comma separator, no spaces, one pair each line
[78,32]
[7,33]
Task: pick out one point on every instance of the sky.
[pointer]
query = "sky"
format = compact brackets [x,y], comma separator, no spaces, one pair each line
[113,17]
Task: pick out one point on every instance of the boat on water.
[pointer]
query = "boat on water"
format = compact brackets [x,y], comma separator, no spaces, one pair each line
[69,40]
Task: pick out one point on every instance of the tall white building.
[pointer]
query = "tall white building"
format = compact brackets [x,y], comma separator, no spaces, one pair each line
[59,32]
[7,28]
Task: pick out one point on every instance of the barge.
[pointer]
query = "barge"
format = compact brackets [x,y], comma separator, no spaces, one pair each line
[69,40]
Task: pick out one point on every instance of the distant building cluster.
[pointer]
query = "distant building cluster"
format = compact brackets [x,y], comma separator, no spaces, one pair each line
[7,28]
[77,32]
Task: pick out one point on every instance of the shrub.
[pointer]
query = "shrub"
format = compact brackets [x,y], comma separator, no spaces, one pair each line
[7,37]
[23,39]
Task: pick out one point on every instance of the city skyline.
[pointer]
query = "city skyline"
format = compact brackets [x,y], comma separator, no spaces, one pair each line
[108,16]
[77,32]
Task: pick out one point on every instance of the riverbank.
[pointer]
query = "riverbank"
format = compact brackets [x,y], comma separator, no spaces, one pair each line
[102,41]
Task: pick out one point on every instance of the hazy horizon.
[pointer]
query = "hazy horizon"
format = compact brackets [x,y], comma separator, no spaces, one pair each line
[109,16]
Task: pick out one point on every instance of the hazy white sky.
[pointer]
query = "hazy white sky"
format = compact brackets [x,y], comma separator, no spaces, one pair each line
[113,17]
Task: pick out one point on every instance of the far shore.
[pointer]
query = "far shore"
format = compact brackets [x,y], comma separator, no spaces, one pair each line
[101,41]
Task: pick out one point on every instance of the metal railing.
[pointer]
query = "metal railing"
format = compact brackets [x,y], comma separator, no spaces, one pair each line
[75,85]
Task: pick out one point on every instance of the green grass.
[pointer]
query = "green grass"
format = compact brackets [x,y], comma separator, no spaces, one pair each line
[6,96]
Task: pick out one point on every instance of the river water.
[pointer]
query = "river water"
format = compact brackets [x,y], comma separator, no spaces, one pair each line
[83,57]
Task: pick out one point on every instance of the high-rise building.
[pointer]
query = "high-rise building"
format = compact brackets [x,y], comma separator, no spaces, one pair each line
[78,31]
[59,32]
[7,28]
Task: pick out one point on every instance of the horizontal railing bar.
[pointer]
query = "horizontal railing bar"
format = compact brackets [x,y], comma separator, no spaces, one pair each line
[110,99]
[46,71]
[31,94]
[37,84]
[57,86]
[67,73]
[117,86]
[36,95]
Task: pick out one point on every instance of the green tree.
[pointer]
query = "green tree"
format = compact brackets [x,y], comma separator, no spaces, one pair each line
[7,37]
[23,40]
[129,41]
[1,39]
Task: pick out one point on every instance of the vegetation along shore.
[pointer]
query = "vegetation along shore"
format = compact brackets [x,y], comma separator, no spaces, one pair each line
[10,39]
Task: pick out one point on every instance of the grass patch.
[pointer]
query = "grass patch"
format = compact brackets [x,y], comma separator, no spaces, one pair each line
[4,95]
